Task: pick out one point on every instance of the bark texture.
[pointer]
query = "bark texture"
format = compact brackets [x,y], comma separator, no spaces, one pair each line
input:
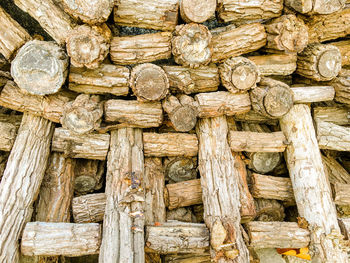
[313,94]
[197,11]
[8,132]
[332,136]
[275,64]
[341,194]
[341,85]
[344,48]
[89,208]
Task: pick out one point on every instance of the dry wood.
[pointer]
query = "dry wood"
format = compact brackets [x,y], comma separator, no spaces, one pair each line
[5,76]
[140,49]
[341,85]
[335,171]
[23,175]
[89,146]
[344,48]
[269,210]
[3,161]
[341,194]
[54,239]
[187,258]
[313,94]
[88,176]
[170,144]
[248,38]
[178,169]
[337,115]
[311,188]
[275,64]
[89,208]
[13,37]
[183,214]
[344,224]
[153,14]
[332,136]
[149,82]
[315,6]
[88,45]
[197,11]
[8,132]
[191,45]
[254,117]
[123,228]
[132,112]
[106,78]
[277,235]
[40,67]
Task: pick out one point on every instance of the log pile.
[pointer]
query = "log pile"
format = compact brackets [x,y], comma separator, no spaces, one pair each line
[175,131]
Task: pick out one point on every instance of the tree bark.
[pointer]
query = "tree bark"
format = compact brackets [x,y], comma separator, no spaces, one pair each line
[269,210]
[332,136]
[254,117]
[89,208]
[40,67]
[178,169]
[88,176]
[123,228]
[23,175]
[275,64]
[197,11]
[140,49]
[8,132]
[311,188]
[344,48]
[341,85]
[315,6]
[313,94]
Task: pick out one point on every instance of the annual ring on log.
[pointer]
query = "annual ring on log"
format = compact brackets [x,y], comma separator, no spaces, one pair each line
[264,162]
[329,63]
[278,101]
[181,169]
[197,11]
[184,117]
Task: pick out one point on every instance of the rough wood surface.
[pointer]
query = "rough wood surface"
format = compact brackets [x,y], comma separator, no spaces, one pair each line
[341,85]
[337,115]
[341,194]
[140,49]
[23,175]
[313,94]
[254,117]
[8,132]
[89,208]
[315,6]
[335,171]
[344,224]
[178,169]
[332,136]
[275,64]
[248,38]
[187,258]
[183,214]
[40,67]
[268,210]
[344,48]
[197,11]
[152,14]
[88,176]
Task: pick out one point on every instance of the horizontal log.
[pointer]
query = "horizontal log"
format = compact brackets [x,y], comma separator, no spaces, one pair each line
[254,117]
[89,208]
[313,94]
[344,47]
[275,64]
[315,7]
[54,239]
[335,171]
[341,194]
[332,136]
[341,85]
[336,115]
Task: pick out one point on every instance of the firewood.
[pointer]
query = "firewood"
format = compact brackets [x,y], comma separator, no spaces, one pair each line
[286,33]
[254,117]
[159,15]
[13,37]
[187,258]
[89,208]
[248,38]
[123,228]
[169,144]
[341,194]
[332,136]
[88,45]
[319,62]
[106,78]
[89,146]
[5,76]
[3,161]
[88,176]
[344,48]
[197,11]
[23,175]
[310,186]
[183,214]
[54,239]
[277,235]
[40,67]
[269,210]
[182,112]
[140,49]
[336,115]
[315,6]
[218,171]
[341,85]
[272,98]
[335,171]
[178,169]
[191,45]
[344,224]
[8,132]
[313,94]
[239,74]
[149,82]
[132,112]
[50,17]
[237,11]
[275,64]
[215,104]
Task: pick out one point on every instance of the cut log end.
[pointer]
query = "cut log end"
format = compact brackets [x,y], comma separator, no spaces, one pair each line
[197,11]
[184,118]
[264,162]
[278,101]
[329,64]
[181,169]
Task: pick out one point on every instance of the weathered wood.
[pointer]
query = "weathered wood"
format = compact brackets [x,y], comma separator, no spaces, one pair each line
[140,49]
[332,136]
[344,48]
[277,235]
[40,67]
[88,176]
[336,115]
[88,45]
[341,194]
[8,132]
[341,85]
[315,6]
[254,117]
[313,94]
[54,239]
[344,224]
[132,112]
[89,146]
[311,188]
[13,37]
[23,175]
[123,228]
[335,171]
[221,211]
[268,210]
[3,161]
[169,144]
[191,45]
[183,214]
[275,64]
[197,11]
[89,208]
[248,38]
[187,258]
[178,169]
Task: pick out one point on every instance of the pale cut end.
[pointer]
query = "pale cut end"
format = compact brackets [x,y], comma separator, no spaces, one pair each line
[264,162]
[329,63]
[278,101]
[197,11]
[181,169]
[184,118]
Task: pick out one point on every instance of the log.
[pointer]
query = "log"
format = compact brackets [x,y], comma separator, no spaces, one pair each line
[89,208]
[40,67]
[3,161]
[248,38]
[337,115]
[88,176]
[239,74]
[183,214]
[332,136]
[275,64]
[188,80]
[87,46]
[170,144]
[268,210]
[50,17]
[335,171]
[315,7]
[23,175]
[319,62]
[254,117]
[123,228]
[237,11]
[344,48]
[54,239]
[311,188]
[221,211]
[131,112]
[158,15]
[178,169]
[8,132]
[341,85]
[197,11]
[140,49]
[182,112]
[191,45]
[344,224]
[88,146]
[341,194]
[177,237]
[13,37]
[187,258]
[149,82]
[272,98]
[215,104]
[277,235]
[313,94]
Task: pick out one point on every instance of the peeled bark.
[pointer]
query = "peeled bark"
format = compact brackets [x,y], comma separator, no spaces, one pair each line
[40,67]
[89,208]
[315,6]
[313,94]
[88,176]
[197,11]
[332,136]
[344,48]
[180,169]
[275,64]
[341,85]
[23,175]
[269,210]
